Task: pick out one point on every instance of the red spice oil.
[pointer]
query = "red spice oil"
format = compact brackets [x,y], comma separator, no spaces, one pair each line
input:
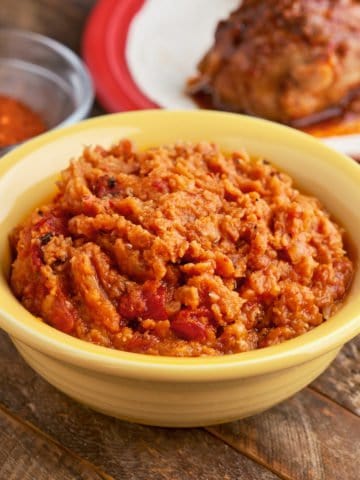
[341,120]
[18,122]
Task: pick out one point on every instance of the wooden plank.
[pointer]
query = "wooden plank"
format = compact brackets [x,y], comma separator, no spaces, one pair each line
[306,437]
[341,381]
[61,20]
[121,449]
[25,454]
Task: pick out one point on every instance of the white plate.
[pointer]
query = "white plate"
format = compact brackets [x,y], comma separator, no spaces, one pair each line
[165,42]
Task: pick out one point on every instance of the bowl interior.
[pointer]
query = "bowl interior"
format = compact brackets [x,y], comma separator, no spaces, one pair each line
[27,177]
[18,78]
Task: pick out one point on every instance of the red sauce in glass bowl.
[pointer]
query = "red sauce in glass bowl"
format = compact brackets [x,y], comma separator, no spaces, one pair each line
[18,122]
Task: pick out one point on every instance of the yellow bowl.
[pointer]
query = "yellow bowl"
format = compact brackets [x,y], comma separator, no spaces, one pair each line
[176,391]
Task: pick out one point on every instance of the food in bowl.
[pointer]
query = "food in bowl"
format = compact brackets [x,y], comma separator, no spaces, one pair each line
[180,250]
[173,391]
[296,62]
[18,122]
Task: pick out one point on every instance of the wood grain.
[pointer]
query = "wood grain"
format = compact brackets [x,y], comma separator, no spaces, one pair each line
[306,434]
[28,455]
[121,449]
[61,20]
[307,437]
[341,381]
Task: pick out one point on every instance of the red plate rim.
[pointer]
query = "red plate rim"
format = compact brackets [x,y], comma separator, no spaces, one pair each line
[104,52]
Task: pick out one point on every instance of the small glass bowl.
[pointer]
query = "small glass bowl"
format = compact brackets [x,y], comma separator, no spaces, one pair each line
[46,76]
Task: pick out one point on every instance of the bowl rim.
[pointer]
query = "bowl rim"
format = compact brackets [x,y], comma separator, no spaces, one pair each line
[329,336]
[87,85]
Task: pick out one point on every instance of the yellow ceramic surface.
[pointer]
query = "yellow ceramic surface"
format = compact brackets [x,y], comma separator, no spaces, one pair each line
[163,390]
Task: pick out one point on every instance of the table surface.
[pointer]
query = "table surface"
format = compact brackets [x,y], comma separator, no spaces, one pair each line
[315,435]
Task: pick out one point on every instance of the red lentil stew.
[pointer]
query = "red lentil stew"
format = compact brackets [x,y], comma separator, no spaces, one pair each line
[180,250]
[17,122]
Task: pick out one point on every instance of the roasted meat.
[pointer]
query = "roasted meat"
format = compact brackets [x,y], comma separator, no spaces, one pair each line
[284,60]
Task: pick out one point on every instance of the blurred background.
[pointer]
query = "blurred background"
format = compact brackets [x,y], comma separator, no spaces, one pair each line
[62,20]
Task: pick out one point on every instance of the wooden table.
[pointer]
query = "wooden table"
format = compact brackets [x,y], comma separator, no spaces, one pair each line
[46,435]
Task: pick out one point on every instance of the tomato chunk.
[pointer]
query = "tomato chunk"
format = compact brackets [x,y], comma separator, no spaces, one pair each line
[36,256]
[161,185]
[145,302]
[57,225]
[187,324]
[62,313]
[155,297]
